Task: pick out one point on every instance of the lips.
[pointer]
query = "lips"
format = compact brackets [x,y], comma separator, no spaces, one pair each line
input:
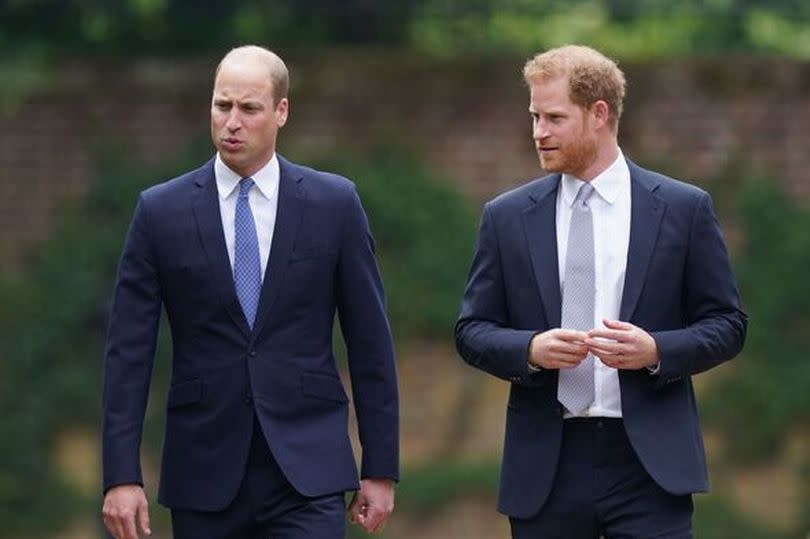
[231,144]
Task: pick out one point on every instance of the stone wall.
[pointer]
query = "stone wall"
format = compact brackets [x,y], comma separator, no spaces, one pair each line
[695,119]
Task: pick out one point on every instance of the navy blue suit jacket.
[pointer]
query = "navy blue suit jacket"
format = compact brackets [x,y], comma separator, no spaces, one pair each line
[321,262]
[678,286]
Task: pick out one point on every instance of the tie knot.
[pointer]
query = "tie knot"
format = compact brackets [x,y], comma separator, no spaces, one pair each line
[584,194]
[244,186]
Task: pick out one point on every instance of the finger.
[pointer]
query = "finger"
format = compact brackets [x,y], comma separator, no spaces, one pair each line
[571,335]
[373,519]
[355,503]
[143,518]
[359,511]
[118,522]
[565,365]
[609,334]
[568,351]
[605,355]
[356,518]
[607,347]
[565,361]
[120,529]
[112,526]
[611,360]
[617,324]
[129,531]
[622,362]
[381,524]
[568,346]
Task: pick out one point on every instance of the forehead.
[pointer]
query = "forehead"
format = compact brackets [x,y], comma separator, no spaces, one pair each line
[243,80]
[547,93]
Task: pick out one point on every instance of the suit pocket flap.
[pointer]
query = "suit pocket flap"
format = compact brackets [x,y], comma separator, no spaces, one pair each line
[323,386]
[184,393]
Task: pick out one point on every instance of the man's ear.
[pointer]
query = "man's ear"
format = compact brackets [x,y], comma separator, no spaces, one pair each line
[601,112]
[282,111]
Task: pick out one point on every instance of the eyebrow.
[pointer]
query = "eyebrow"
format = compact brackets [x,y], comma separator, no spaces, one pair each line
[247,102]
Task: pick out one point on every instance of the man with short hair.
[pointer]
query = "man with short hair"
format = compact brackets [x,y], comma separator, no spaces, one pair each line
[597,292]
[251,256]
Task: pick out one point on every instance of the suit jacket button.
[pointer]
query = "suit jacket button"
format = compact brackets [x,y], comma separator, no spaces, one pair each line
[248,399]
[252,353]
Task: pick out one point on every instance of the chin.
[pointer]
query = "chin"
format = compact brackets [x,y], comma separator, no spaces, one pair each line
[549,166]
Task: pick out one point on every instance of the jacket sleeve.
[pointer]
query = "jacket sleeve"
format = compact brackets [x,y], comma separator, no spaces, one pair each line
[129,354]
[366,331]
[715,324]
[483,335]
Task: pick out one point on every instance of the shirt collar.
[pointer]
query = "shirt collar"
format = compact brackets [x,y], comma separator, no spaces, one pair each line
[266,178]
[608,184]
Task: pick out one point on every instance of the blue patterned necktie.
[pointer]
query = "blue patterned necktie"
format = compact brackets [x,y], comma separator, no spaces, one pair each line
[247,268]
[575,389]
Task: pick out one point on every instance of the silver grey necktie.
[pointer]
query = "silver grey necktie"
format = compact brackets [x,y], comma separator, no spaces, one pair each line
[575,389]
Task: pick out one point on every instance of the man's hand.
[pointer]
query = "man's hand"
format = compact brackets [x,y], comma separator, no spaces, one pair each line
[122,506]
[558,349]
[372,504]
[623,346]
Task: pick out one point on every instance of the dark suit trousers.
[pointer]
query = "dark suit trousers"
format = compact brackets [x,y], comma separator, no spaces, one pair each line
[602,490]
[266,507]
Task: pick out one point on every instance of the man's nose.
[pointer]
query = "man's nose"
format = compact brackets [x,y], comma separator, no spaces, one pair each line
[234,121]
[539,129]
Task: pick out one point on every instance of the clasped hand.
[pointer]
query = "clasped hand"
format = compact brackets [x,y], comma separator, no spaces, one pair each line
[620,345]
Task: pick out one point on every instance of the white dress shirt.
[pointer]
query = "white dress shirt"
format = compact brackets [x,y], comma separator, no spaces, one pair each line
[610,207]
[263,197]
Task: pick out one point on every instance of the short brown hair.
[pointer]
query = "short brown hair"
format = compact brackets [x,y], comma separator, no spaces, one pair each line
[591,76]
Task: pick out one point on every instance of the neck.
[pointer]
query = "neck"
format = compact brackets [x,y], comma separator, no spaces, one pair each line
[606,154]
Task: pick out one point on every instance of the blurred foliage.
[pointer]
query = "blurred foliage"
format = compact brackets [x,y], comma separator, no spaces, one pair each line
[424,235]
[51,334]
[125,27]
[428,489]
[36,35]
[629,30]
[766,395]
[762,406]
[716,519]
[438,27]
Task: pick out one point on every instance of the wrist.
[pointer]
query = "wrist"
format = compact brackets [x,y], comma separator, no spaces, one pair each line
[532,356]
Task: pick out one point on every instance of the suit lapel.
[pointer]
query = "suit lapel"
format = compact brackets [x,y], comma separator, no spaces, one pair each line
[288,221]
[645,221]
[209,223]
[539,221]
